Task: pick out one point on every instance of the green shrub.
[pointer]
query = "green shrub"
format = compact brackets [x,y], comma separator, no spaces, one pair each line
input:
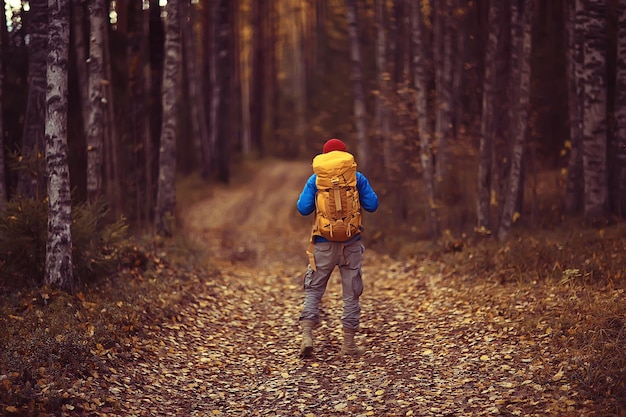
[97,243]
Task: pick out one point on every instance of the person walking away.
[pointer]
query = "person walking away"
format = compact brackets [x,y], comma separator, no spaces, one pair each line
[336,192]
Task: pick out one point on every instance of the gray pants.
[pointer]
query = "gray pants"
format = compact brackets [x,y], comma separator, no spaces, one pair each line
[348,257]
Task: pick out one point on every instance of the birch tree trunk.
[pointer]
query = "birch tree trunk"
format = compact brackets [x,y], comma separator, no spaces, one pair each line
[620,114]
[491,86]
[166,193]
[421,106]
[520,127]
[95,124]
[594,126]
[357,83]
[59,270]
[574,181]
[30,177]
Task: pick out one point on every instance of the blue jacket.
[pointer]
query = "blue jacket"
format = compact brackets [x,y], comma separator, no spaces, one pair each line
[367,197]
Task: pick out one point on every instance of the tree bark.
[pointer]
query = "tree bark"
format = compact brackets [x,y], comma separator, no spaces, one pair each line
[520,128]
[198,120]
[77,33]
[166,194]
[594,126]
[223,70]
[295,145]
[138,84]
[382,98]
[574,181]
[258,76]
[620,114]
[112,139]
[156,33]
[3,178]
[443,113]
[58,270]
[421,106]
[30,176]
[95,124]
[357,84]
[491,85]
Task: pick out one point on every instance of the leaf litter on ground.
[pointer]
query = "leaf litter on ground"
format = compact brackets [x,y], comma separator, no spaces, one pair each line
[226,344]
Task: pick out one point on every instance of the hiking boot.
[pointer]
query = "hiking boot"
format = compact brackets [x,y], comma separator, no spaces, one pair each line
[349,346]
[306,351]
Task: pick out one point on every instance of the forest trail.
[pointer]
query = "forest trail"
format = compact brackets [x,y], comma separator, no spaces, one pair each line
[431,351]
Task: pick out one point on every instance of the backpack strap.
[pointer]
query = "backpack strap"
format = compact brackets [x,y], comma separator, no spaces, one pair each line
[310,254]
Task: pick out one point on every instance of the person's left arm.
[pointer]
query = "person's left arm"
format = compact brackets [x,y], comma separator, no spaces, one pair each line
[367,196]
[306,202]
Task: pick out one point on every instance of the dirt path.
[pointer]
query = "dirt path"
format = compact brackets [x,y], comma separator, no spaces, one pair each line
[430,352]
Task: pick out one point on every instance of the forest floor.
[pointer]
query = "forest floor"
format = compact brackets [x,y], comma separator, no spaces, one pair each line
[438,344]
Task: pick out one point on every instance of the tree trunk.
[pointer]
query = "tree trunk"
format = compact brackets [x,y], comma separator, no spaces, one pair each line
[258,76]
[3,178]
[594,126]
[357,83]
[30,177]
[491,85]
[224,69]
[194,85]
[574,181]
[443,113]
[112,139]
[273,70]
[295,145]
[382,98]
[620,114]
[460,57]
[95,124]
[59,270]
[138,84]
[522,62]
[421,106]
[214,87]
[166,194]
[156,50]
[80,53]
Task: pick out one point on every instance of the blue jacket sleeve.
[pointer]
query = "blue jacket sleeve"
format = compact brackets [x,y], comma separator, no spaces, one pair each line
[367,196]
[306,202]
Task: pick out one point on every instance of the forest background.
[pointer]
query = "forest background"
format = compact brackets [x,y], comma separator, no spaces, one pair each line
[469,115]
[477,121]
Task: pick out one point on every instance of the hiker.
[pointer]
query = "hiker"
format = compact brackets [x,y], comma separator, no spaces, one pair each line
[336,192]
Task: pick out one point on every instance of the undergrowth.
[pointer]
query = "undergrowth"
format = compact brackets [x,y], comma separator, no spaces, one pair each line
[52,340]
[577,280]
[98,243]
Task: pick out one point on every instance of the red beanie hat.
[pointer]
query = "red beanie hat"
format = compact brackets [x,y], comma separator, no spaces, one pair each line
[334,145]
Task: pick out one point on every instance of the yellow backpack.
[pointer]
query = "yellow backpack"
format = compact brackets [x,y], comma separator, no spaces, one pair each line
[337,207]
